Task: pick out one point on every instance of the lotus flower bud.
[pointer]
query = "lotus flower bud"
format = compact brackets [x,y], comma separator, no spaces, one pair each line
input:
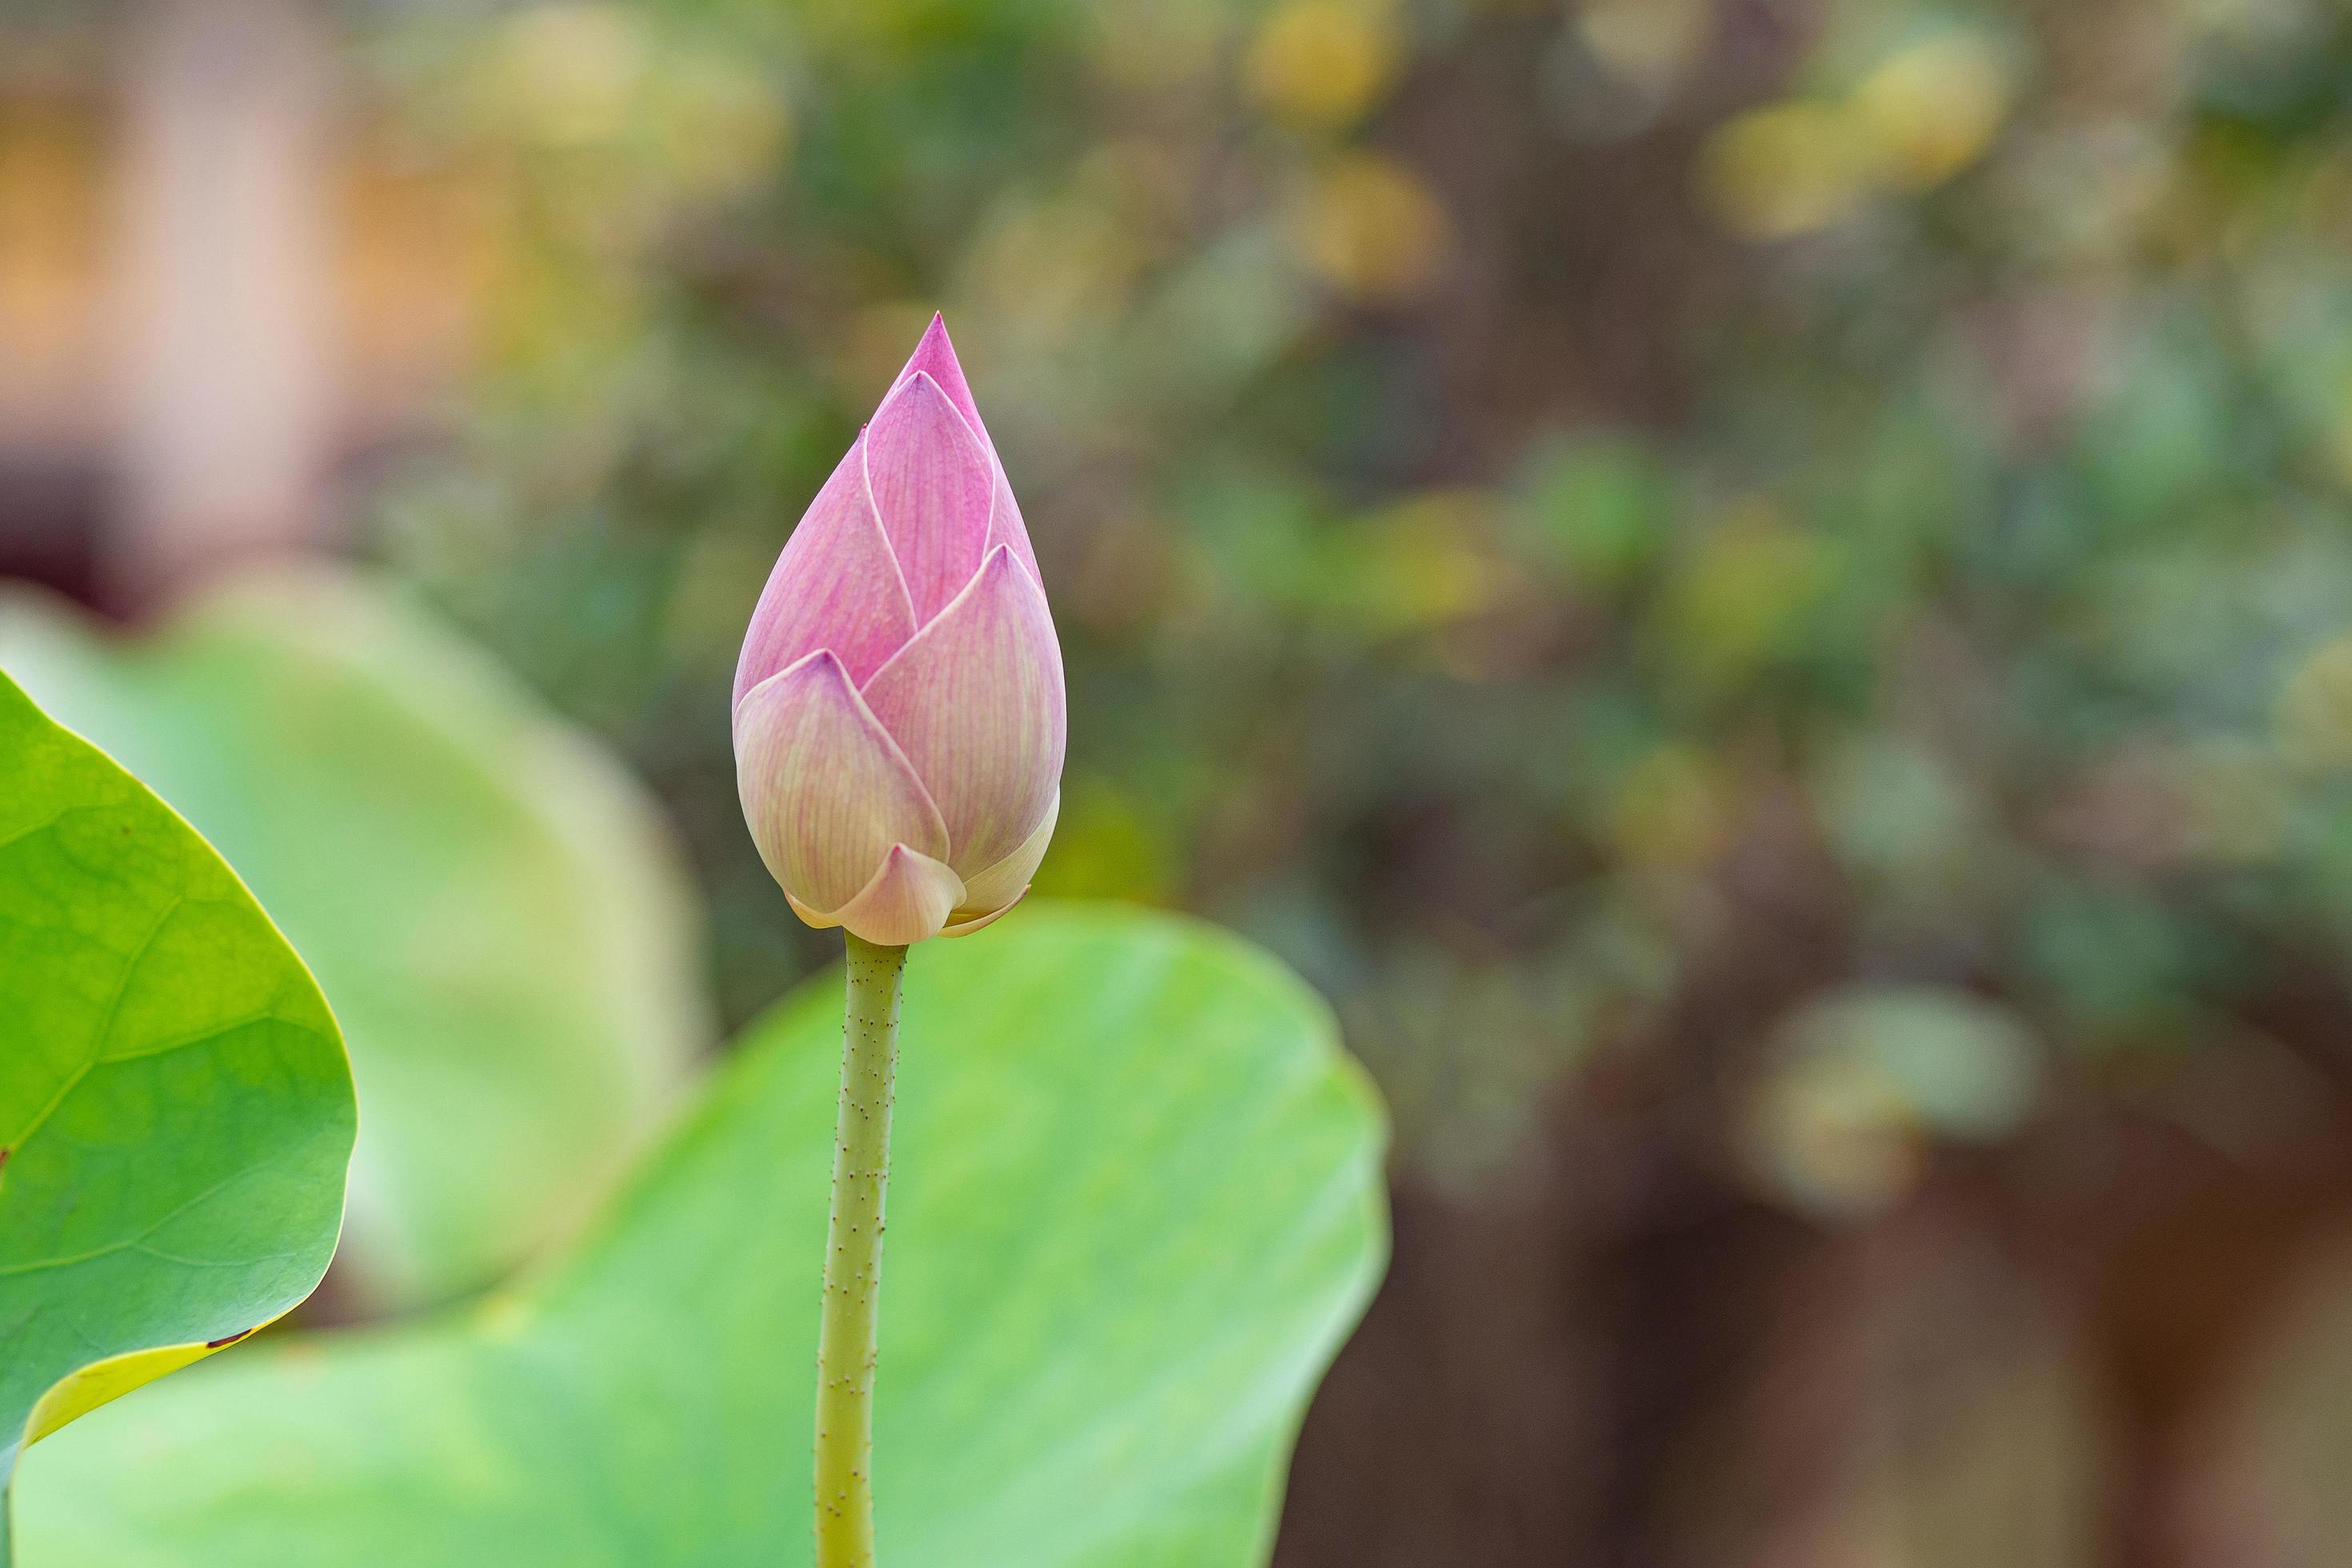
[899,716]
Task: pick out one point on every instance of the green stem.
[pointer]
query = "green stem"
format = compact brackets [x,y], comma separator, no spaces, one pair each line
[853,1261]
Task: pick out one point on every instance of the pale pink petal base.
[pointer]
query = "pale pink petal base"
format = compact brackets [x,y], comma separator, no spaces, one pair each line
[975,700]
[1001,886]
[1005,884]
[960,927]
[908,900]
[826,791]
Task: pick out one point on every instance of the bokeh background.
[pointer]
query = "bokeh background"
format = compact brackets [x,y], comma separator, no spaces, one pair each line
[1761,591]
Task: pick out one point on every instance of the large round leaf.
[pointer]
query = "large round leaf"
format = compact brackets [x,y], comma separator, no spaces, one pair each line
[1135,1205]
[489,903]
[175,1109]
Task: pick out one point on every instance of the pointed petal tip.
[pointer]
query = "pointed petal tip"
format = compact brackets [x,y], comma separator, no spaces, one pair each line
[916,396]
[1005,558]
[935,342]
[934,356]
[823,661]
[910,898]
[920,382]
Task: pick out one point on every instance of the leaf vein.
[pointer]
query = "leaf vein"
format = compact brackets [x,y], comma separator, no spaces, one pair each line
[97,1040]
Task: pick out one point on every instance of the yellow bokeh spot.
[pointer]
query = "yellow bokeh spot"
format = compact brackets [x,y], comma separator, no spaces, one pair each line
[1931,109]
[1371,228]
[1323,64]
[1785,169]
[1054,264]
[1420,564]
[720,126]
[1919,117]
[690,115]
[570,72]
[2315,710]
[1672,808]
[1738,597]
[1651,42]
[1154,48]
[1835,1135]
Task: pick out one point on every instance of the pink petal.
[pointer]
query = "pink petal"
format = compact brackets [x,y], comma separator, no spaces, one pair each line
[908,900]
[960,924]
[932,484]
[998,889]
[834,586]
[824,789]
[975,700]
[936,357]
[1004,527]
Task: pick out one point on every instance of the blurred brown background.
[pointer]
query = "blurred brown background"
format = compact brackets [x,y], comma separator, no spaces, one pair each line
[1759,590]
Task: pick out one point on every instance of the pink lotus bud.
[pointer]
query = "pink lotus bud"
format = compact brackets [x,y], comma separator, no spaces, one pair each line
[899,718]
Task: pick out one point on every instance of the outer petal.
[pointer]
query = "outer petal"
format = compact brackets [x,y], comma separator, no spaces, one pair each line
[934,356]
[835,586]
[933,485]
[826,792]
[975,700]
[991,892]
[1005,527]
[908,899]
[960,924]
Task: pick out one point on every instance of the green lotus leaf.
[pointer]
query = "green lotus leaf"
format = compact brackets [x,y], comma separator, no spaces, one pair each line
[1136,1203]
[490,904]
[175,1108]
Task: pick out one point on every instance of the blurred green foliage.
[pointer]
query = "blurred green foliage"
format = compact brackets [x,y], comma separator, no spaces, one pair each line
[1116,1273]
[1500,469]
[495,912]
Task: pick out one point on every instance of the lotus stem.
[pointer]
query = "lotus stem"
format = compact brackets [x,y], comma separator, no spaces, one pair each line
[853,1260]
